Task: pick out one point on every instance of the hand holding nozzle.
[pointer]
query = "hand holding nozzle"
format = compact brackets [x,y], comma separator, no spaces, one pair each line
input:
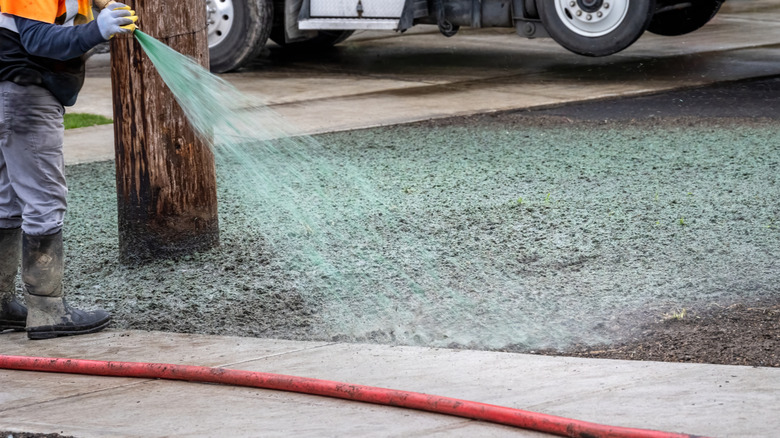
[116,18]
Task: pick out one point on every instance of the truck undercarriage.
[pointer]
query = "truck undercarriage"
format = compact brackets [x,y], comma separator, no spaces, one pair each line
[238,29]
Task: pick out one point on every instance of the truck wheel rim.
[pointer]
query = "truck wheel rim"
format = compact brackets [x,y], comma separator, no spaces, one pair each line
[592,18]
[219,16]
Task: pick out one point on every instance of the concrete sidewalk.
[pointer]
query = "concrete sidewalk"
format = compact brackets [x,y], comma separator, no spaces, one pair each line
[709,400]
[377,79]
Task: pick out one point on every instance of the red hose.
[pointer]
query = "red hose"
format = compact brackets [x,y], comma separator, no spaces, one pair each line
[369,394]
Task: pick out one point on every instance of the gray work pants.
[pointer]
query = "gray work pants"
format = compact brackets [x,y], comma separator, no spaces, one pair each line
[32,167]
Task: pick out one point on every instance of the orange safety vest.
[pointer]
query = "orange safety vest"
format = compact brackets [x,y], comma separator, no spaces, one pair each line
[47,11]
[62,78]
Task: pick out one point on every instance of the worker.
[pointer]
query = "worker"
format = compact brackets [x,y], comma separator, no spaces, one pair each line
[42,47]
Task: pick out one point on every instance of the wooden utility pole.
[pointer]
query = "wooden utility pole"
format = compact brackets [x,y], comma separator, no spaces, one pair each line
[166,180]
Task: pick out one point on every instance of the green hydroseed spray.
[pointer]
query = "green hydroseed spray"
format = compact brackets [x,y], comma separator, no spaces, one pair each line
[385,282]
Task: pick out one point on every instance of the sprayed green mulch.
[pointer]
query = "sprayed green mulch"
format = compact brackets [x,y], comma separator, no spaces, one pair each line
[539,234]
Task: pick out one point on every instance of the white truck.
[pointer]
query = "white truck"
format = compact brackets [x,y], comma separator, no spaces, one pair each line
[238,29]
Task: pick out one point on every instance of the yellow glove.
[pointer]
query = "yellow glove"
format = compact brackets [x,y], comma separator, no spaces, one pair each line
[116,18]
[129,27]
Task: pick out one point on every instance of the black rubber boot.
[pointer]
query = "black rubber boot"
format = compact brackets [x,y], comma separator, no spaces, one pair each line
[49,316]
[13,315]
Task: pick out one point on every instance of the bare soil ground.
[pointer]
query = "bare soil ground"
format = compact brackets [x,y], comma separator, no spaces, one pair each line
[733,335]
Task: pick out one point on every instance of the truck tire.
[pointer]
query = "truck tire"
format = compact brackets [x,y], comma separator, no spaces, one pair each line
[323,40]
[674,22]
[237,31]
[595,27]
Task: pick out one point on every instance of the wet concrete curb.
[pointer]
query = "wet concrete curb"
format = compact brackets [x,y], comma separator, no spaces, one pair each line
[709,400]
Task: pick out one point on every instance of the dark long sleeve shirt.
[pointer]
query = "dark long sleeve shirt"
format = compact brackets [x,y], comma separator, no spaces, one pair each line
[47,55]
[57,42]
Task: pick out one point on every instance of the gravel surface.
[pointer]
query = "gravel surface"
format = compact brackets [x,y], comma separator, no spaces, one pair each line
[541,233]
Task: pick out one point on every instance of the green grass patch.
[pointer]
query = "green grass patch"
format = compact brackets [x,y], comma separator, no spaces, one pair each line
[81,120]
